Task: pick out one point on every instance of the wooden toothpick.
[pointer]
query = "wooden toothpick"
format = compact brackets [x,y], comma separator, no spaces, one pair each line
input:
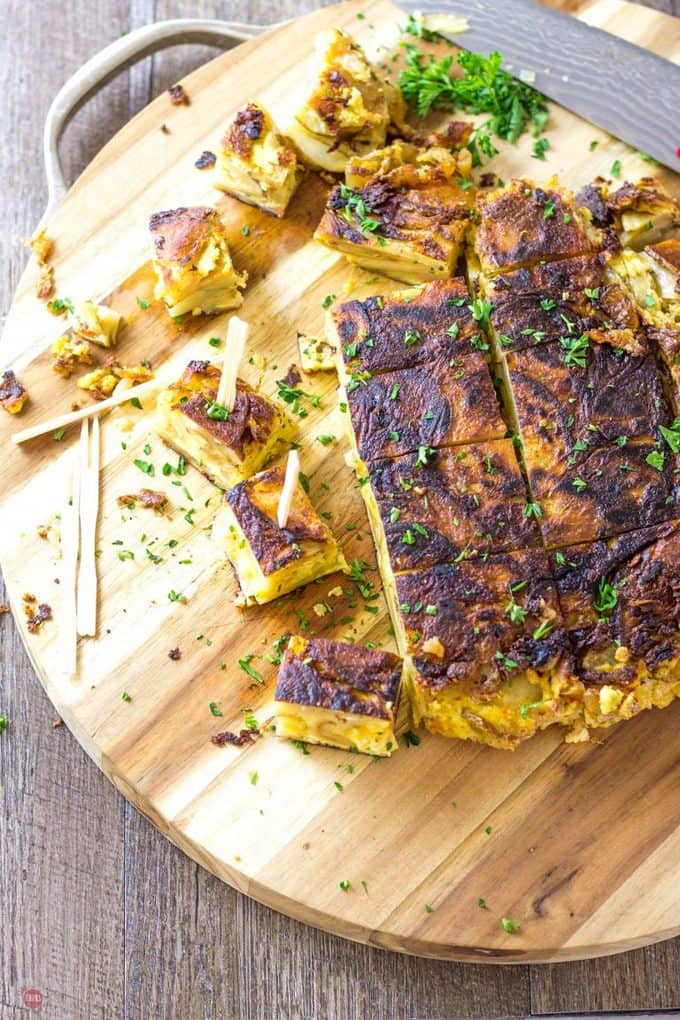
[291,480]
[237,336]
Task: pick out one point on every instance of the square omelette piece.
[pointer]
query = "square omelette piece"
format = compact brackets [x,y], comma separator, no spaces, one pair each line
[270,561]
[522,223]
[465,501]
[596,390]
[490,660]
[193,266]
[445,402]
[226,447]
[405,328]
[573,296]
[409,224]
[621,604]
[255,163]
[595,456]
[340,694]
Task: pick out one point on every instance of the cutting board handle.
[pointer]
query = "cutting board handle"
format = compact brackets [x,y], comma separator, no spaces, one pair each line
[109,62]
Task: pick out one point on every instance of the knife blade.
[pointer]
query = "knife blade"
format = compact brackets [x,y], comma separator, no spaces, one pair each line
[628,91]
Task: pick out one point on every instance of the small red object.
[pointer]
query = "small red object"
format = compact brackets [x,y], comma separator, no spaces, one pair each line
[677,152]
[33,998]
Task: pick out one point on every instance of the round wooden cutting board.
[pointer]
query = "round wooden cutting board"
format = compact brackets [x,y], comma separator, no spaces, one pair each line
[580,845]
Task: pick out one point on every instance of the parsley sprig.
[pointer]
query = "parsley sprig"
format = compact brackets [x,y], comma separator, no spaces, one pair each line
[513,105]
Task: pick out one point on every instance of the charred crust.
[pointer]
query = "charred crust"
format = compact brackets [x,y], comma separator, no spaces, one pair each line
[180,234]
[250,421]
[642,567]
[482,645]
[444,402]
[240,739]
[465,501]
[246,128]
[340,677]
[614,394]
[537,304]
[205,160]
[521,224]
[12,393]
[254,503]
[374,333]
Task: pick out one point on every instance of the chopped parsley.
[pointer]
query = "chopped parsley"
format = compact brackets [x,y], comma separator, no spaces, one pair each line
[146,467]
[672,435]
[575,350]
[214,710]
[541,146]
[508,925]
[615,169]
[484,87]
[656,459]
[606,597]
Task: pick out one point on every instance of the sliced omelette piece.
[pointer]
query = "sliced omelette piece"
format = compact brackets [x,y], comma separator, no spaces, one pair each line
[465,501]
[621,606]
[316,354]
[409,223]
[339,694]
[406,328]
[522,223]
[447,401]
[488,657]
[255,164]
[591,437]
[192,262]
[98,324]
[572,296]
[227,447]
[638,213]
[269,560]
[347,106]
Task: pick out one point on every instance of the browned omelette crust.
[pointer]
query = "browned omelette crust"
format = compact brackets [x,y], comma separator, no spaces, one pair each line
[606,206]
[466,606]
[254,503]
[251,420]
[667,254]
[13,396]
[444,402]
[586,436]
[644,568]
[341,677]
[467,500]
[420,206]
[666,342]
[247,128]
[334,93]
[615,394]
[553,299]
[520,224]
[179,235]
[406,328]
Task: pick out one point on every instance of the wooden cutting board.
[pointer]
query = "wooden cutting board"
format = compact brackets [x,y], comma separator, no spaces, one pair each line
[578,844]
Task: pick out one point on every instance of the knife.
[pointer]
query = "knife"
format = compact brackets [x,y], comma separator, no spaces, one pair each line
[631,93]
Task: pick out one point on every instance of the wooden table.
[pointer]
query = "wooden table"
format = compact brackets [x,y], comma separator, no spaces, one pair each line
[98,912]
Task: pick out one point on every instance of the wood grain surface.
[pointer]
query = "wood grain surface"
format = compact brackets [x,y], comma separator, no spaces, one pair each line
[106,918]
